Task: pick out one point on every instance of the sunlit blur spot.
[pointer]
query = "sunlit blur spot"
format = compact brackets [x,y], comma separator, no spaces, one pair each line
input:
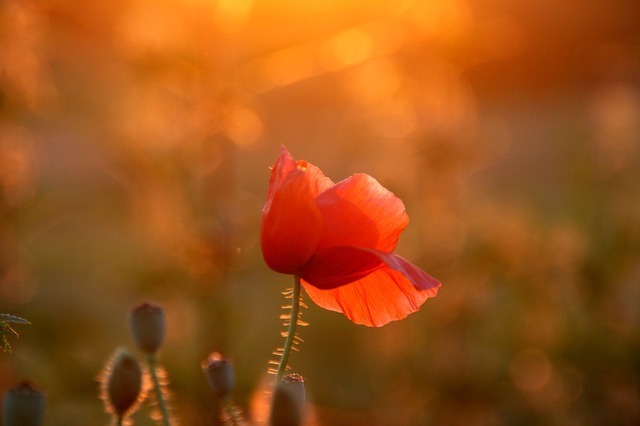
[183,325]
[359,44]
[567,385]
[260,399]
[347,48]
[23,70]
[160,212]
[509,233]
[397,388]
[542,323]
[17,286]
[530,370]
[397,119]
[615,60]
[391,344]
[448,21]
[151,119]
[447,313]
[282,68]
[615,113]
[146,28]
[335,53]
[387,36]
[373,81]
[446,103]
[206,159]
[232,15]
[449,353]
[442,220]
[17,165]
[496,138]
[568,249]
[202,261]
[243,125]
[500,36]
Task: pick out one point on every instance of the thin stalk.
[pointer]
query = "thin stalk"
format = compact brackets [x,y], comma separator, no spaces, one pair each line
[291,331]
[231,412]
[153,366]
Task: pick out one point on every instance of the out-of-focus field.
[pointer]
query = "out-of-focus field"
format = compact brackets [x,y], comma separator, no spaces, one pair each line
[135,143]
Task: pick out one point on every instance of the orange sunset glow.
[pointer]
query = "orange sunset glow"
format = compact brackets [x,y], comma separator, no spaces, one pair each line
[137,141]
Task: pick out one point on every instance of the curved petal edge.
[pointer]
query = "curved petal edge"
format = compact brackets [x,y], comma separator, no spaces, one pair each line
[388,294]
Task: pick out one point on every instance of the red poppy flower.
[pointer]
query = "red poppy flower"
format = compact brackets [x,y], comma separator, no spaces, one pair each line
[339,238]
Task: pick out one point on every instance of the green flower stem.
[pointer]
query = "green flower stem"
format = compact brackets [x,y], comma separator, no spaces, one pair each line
[291,331]
[153,366]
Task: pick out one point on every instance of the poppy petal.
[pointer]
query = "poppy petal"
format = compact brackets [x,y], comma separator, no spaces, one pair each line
[382,296]
[420,279]
[318,182]
[291,224]
[359,212]
[284,165]
[336,266]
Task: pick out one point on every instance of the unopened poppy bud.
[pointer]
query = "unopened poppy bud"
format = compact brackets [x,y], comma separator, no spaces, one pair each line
[287,405]
[122,384]
[23,405]
[147,326]
[220,375]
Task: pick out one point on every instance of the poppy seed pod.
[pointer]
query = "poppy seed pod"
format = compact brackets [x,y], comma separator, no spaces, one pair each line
[122,383]
[147,326]
[220,375]
[23,405]
[287,405]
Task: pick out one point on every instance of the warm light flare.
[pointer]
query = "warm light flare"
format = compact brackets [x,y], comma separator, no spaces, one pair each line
[231,15]
[243,125]
[375,81]
[135,140]
[347,48]
[335,53]
[447,21]
[17,164]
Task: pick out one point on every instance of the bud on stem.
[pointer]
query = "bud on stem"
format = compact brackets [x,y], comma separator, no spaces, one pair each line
[23,405]
[220,375]
[287,405]
[147,326]
[123,385]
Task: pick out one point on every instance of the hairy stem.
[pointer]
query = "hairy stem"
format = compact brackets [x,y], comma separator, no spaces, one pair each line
[157,386]
[291,331]
[231,412]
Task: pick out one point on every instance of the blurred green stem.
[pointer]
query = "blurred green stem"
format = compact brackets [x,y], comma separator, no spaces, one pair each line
[291,331]
[157,386]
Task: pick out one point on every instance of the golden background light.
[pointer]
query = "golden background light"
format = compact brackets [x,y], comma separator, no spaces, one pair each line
[135,141]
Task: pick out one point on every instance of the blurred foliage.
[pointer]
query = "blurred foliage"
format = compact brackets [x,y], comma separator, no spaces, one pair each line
[135,141]
[5,328]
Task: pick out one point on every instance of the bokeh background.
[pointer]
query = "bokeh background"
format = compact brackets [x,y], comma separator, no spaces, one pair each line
[135,143]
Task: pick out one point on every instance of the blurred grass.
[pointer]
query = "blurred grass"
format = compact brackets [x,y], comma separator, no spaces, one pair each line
[135,141]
